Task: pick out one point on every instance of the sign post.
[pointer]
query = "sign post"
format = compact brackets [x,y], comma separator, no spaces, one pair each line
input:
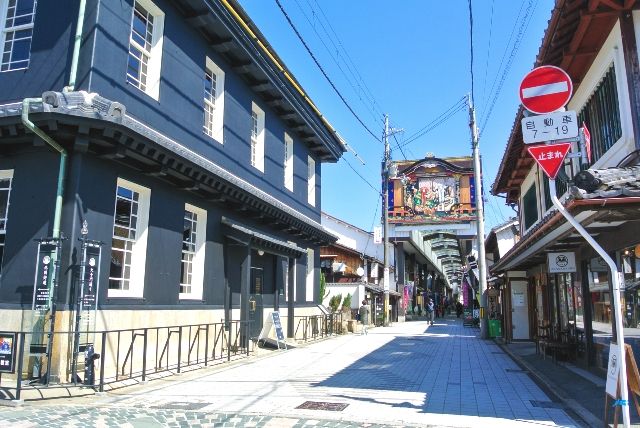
[544,90]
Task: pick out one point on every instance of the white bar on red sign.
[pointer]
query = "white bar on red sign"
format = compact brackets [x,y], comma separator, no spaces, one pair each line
[538,91]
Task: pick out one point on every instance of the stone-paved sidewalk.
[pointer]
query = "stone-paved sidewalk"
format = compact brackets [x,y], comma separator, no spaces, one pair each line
[405,375]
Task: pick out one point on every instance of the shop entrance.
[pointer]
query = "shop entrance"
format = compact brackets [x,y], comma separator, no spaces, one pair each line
[520,310]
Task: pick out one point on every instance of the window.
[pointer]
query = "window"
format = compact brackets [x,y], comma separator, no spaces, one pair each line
[16,23]
[257,137]
[145,47]
[193,245]
[530,207]
[129,242]
[5,191]
[602,115]
[288,162]
[213,101]
[311,177]
[310,274]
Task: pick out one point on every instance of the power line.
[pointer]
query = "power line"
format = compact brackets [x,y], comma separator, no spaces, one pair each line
[456,104]
[486,64]
[324,73]
[459,106]
[471,49]
[516,46]
[353,85]
[363,179]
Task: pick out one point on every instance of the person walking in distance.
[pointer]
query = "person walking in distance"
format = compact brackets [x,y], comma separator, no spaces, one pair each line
[364,316]
[430,309]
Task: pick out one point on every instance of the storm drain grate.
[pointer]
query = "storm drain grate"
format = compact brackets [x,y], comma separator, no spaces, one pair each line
[176,405]
[515,371]
[323,405]
[546,404]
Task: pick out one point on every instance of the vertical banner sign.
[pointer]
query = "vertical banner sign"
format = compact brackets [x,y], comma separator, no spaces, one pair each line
[7,352]
[90,275]
[390,195]
[472,190]
[45,272]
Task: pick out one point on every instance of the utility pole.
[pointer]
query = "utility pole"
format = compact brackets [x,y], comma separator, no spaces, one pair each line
[482,260]
[385,208]
[385,205]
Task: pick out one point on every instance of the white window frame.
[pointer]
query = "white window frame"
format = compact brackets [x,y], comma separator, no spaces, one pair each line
[310,274]
[4,10]
[214,103]
[311,181]
[6,174]
[139,250]
[197,276]
[288,162]
[257,138]
[152,85]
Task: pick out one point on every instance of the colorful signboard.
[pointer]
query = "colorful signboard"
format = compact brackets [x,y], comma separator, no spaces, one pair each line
[432,191]
[7,352]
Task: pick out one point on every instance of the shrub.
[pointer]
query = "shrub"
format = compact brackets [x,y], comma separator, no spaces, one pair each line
[346,303]
[334,302]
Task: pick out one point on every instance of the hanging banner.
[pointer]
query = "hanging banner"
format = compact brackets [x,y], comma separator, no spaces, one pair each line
[45,272]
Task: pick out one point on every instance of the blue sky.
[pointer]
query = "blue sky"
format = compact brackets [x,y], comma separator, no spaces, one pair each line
[409,59]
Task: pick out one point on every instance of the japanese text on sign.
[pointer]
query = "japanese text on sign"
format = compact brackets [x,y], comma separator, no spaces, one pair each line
[552,126]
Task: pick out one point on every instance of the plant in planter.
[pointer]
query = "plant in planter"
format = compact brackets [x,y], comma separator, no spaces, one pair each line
[346,303]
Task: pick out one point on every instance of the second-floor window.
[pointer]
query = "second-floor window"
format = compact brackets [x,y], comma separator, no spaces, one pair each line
[16,31]
[311,181]
[5,192]
[145,47]
[288,162]
[601,113]
[213,101]
[257,137]
[129,242]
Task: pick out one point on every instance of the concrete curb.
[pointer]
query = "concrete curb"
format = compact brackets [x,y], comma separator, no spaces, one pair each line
[552,389]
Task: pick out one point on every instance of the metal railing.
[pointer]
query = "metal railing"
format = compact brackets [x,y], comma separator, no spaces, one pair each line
[314,327]
[131,354]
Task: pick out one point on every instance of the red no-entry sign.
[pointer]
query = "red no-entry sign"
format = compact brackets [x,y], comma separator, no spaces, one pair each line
[550,157]
[545,89]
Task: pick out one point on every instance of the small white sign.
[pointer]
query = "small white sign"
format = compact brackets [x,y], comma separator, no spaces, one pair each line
[597,264]
[561,262]
[386,279]
[552,126]
[377,235]
[613,371]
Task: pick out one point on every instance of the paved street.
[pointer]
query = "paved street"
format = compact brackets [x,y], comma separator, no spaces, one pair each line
[406,375]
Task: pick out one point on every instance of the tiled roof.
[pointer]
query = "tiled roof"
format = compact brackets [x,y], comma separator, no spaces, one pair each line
[606,183]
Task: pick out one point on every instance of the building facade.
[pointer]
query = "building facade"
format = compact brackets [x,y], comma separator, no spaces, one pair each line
[176,136]
[595,42]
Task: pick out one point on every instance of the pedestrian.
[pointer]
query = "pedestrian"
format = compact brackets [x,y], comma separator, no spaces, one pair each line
[458,309]
[364,316]
[430,309]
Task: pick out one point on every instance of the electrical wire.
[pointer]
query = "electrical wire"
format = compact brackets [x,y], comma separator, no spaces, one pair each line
[471,53]
[486,64]
[455,105]
[516,46]
[461,105]
[315,60]
[363,179]
[353,81]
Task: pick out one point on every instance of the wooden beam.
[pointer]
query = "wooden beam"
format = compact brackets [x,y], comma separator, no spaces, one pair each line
[632,66]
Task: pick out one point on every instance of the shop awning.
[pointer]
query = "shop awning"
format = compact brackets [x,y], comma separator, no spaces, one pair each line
[260,241]
[598,201]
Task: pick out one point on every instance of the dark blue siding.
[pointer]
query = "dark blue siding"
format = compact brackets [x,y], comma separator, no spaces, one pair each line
[178,113]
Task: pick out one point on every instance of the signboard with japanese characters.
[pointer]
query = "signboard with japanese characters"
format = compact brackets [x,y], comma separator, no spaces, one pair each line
[561,262]
[44,275]
[553,126]
[7,352]
[550,157]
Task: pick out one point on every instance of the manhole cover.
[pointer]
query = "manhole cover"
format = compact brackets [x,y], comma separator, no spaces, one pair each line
[180,406]
[515,371]
[546,404]
[323,405]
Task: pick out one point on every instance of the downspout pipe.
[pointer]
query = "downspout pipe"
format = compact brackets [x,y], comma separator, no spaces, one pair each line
[63,161]
[76,48]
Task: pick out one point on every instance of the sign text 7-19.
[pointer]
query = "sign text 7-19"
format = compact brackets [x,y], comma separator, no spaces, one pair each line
[561,125]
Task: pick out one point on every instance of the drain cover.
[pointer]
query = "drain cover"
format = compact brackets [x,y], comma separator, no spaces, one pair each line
[546,404]
[323,405]
[177,405]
